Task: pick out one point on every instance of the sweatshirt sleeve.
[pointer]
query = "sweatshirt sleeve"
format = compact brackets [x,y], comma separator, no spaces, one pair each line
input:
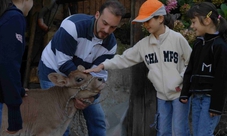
[219,91]
[130,57]
[185,94]
[11,52]
[14,118]
[186,48]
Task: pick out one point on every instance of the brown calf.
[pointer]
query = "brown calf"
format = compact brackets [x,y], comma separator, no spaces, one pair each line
[49,112]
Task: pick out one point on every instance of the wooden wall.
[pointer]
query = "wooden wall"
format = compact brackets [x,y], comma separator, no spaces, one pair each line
[91,6]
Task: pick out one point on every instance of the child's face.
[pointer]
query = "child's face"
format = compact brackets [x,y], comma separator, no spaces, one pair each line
[199,28]
[154,26]
[27,6]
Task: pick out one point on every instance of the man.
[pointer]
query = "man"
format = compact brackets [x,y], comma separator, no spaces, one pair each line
[83,40]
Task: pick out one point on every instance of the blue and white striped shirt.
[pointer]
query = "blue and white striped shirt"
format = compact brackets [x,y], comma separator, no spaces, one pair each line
[73,44]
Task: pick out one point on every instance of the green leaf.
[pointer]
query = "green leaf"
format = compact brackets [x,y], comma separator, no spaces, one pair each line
[224,10]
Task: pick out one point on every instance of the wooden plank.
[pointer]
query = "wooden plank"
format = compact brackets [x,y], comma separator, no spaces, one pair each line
[150,107]
[92,7]
[30,48]
[142,107]
[137,101]
[127,4]
[80,7]
[97,4]
[136,31]
[103,1]
[86,7]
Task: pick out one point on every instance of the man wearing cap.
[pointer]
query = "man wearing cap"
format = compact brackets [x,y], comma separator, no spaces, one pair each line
[166,54]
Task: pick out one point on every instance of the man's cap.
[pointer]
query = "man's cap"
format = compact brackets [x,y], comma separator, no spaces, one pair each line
[149,9]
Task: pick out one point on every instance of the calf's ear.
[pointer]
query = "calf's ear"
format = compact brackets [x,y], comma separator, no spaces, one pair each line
[58,79]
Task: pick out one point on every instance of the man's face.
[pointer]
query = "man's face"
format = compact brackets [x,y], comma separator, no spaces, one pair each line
[105,23]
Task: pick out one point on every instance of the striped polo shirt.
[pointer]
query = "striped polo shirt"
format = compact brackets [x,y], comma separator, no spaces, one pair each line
[73,44]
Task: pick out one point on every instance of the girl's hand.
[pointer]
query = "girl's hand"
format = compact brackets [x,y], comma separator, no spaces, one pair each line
[213,114]
[95,69]
[178,89]
[184,100]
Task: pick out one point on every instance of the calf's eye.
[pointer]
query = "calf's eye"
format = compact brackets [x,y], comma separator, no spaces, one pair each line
[79,79]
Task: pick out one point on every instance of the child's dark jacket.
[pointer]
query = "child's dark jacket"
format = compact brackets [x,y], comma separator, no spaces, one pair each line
[207,71]
[12,45]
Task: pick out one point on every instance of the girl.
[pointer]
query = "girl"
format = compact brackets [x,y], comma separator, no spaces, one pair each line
[165,53]
[205,77]
[12,45]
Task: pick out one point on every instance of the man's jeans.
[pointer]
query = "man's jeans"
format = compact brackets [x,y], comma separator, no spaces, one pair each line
[172,118]
[93,114]
[202,123]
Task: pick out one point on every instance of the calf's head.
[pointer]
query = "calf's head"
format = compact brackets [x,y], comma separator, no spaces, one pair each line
[86,85]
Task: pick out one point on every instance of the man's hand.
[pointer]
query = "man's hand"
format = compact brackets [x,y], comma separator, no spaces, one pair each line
[95,69]
[82,103]
[11,132]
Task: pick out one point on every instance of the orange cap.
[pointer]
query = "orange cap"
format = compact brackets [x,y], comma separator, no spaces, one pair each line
[149,9]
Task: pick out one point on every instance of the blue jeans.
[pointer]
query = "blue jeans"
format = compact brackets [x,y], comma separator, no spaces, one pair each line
[202,123]
[94,115]
[172,118]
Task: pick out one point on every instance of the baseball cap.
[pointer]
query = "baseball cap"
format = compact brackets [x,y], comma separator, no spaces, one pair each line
[149,9]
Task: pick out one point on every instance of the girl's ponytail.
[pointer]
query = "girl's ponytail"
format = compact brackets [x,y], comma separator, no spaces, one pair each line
[222,27]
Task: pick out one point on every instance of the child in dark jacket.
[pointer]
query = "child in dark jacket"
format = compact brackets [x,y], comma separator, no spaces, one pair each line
[12,45]
[205,78]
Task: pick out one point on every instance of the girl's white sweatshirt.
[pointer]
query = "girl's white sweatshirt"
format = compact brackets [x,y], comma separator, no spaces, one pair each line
[166,58]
